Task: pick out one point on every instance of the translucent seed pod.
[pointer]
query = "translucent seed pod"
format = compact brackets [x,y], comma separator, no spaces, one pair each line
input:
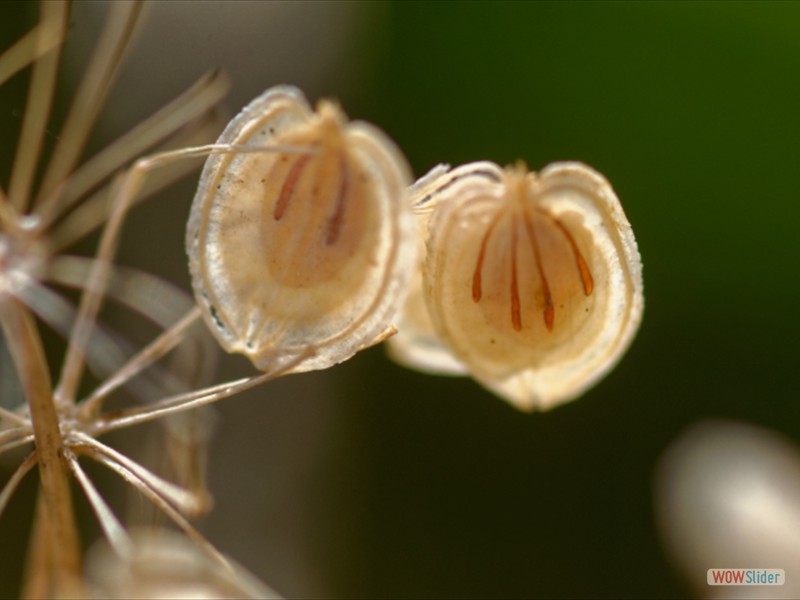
[301,252]
[416,344]
[532,281]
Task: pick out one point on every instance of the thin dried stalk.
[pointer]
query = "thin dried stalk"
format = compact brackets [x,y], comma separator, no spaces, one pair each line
[186,501]
[40,99]
[38,41]
[190,106]
[15,479]
[12,416]
[19,441]
[190,400]
[113,529]
[92,92]
[152,495]
[152,352]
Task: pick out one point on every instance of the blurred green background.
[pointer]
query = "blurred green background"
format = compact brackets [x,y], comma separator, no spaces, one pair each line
[382,482]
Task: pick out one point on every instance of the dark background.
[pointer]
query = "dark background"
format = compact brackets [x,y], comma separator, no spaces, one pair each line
[369,480]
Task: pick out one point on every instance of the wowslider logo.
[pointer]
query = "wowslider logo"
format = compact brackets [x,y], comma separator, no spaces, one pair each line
[746,577]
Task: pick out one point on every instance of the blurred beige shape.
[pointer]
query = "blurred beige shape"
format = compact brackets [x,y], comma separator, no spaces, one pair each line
[727,495]
[166,564]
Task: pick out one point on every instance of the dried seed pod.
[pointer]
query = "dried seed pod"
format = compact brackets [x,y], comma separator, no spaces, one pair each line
[532,281]
[305,251]
[416,344]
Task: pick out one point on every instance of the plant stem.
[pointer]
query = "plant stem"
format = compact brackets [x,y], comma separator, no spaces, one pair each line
[37,580]
[61,544]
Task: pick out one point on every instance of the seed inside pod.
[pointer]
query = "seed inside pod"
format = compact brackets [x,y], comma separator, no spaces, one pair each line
[306,248]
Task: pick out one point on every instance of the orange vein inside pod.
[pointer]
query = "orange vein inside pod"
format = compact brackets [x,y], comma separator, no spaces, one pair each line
[318,218]
[553,254]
